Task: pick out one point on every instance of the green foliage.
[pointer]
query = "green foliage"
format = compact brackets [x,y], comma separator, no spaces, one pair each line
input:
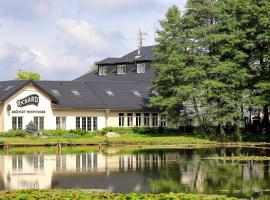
[213,59]
[86,195]
[22,75]
[14,133]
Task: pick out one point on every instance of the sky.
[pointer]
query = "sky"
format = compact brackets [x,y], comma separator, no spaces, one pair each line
[61,39]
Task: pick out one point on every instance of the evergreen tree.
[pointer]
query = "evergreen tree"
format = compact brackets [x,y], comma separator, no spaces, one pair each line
[182,58]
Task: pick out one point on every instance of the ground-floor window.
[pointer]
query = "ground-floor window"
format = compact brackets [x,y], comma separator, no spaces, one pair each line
[121,117]
[146,120]
[17,123]
[138,119]
[163,122]
[39,122]
[130,119]
[155,120]
[61,123]
[86,123]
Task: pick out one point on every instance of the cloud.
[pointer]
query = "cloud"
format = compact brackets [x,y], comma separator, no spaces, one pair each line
[25,9]
[113,6]
[83,34]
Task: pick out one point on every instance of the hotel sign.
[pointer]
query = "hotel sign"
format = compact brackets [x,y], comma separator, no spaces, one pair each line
[29,100]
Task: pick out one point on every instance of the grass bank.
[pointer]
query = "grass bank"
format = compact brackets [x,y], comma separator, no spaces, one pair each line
[126,137]
[87,195]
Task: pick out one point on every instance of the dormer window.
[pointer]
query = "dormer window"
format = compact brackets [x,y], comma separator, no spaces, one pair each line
[140,68]
[121,69]
[103,70]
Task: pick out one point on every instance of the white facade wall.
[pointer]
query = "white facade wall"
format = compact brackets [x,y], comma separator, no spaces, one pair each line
[45,110]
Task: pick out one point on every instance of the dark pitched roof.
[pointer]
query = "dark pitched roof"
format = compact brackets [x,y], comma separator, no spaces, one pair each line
[130,76]
[92,95]
[145,55]
[8,88]
[86,99]
[123,95]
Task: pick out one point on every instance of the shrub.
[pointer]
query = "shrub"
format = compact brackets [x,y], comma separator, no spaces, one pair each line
[14,133]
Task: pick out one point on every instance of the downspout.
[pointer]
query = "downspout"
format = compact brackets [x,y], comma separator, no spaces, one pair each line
[107,111]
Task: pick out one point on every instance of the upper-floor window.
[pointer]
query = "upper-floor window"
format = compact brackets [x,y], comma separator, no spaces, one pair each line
[141,68]
[121,69]
[103,70]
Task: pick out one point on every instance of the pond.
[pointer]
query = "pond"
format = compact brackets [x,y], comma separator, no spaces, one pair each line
[234,171]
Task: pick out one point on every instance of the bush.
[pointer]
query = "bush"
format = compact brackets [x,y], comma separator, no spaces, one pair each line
[14,133]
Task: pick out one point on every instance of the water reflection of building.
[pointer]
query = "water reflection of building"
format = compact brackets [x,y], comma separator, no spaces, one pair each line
[36,171]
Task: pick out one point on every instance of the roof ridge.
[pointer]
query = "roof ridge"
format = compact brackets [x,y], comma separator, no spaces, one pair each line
[90,87]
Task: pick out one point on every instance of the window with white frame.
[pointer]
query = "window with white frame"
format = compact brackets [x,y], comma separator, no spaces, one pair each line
[163,121]
[138,119]
[17,123]
[146,121]
[130,119]
[155,120]
[86,123]
[103,70]
[121,117]
[141,68]
[61,123]
[39,122]
[121,69]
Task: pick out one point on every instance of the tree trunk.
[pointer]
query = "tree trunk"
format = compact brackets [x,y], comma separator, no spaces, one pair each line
[266,119]
[197,112]
[238,130]
[222,131]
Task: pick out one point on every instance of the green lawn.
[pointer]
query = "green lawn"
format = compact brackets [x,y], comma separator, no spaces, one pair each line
[123,139]
[87,195]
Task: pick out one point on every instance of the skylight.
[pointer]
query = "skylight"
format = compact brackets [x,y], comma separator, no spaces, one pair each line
[109,92]
[136,93]
[56,92]
[9,87]
[75,92]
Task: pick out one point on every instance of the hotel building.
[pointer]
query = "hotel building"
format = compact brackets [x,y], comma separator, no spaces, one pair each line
[114,95]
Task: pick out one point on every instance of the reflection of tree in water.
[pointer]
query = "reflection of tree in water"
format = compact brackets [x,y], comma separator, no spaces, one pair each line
[241,179]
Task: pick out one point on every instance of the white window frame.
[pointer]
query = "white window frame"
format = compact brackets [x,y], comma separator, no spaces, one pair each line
[121,69]
[103,70]
[38,122]
[121,119]
[62,123]
[92,121]
[18,126]
[141,68]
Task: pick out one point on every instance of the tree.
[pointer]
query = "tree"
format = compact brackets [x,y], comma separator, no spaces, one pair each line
[23,75]
[182,59]
[242,43]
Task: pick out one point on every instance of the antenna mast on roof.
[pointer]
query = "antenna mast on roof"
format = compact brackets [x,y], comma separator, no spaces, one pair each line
[140,36]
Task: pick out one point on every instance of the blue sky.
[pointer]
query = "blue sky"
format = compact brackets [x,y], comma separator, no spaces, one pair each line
[61,39]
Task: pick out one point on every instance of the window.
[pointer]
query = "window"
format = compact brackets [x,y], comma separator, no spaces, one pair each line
[146,120]
[78,122]
[75,92]
[61,123]
[17,123]
[138,119]
[121,119]
[155,120]
[86,123]
[39,122]
[136,93]
[89,124]
[103,70]
[56,92]
[109,93]
[121,69]
[163,122]
[95,123]
[130,119]
[140,68]
[9,87]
